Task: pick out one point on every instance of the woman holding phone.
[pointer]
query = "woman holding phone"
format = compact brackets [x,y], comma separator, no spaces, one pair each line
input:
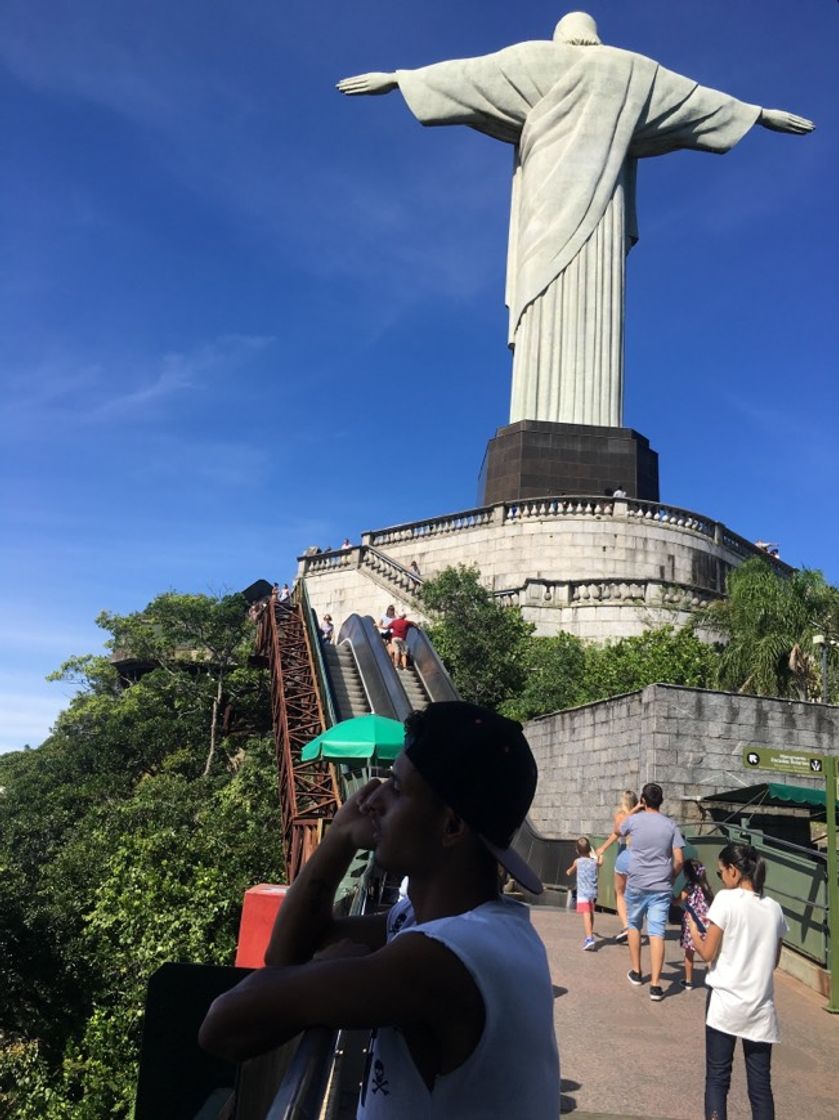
[742,945]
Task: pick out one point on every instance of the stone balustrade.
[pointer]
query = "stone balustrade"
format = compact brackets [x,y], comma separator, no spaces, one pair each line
[388,568]
[580,593]
[564,507]
[600,568]
[432,526]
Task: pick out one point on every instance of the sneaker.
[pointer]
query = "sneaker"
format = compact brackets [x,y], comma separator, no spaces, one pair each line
[687,984]
[589,943]
[623,935]
[635,978]
[656,994]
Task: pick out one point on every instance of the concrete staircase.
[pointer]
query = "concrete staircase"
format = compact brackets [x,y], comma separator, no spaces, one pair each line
[348,693]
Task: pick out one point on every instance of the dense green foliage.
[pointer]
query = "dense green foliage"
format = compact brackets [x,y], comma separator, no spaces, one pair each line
[127,840]
[482,643]
[494,657]
[768,624]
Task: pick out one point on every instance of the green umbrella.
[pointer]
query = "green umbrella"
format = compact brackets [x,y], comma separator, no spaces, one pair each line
[363,737]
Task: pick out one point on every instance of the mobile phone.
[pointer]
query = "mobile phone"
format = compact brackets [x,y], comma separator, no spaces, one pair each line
[700,925]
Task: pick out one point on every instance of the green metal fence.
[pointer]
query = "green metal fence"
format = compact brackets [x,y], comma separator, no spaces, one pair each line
[795,877]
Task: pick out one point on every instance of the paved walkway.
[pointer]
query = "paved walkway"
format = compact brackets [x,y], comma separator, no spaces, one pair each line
[624,1056]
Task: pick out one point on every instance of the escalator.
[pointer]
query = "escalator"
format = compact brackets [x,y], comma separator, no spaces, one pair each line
[361,677]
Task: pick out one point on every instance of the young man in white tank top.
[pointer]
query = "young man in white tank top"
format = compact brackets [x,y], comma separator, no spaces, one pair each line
[454,981]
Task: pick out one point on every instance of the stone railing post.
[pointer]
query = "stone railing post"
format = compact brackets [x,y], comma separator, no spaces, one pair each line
[620,507]
[366,539]
[717,532]
[496,517]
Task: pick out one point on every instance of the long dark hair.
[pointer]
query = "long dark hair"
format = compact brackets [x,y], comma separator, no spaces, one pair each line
[750,865]
[695,875]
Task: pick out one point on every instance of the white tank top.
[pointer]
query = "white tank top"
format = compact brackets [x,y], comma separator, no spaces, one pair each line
[514,1069]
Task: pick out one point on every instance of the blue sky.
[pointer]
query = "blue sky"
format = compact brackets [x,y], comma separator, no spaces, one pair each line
[241,314]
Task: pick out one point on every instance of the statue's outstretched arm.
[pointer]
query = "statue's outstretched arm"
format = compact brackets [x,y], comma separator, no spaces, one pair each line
[375,83]
[779,120]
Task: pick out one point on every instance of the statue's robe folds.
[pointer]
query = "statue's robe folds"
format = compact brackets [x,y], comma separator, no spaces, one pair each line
[579,117]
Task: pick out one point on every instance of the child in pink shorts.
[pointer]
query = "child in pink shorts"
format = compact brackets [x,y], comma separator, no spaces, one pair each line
[585,868]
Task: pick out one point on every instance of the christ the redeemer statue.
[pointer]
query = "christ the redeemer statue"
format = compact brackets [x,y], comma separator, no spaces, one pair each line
[580,115]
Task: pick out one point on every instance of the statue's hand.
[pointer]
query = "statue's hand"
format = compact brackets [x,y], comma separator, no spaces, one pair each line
[779,120]
[373,83]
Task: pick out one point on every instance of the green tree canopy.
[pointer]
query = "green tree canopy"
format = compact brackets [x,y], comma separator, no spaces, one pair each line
[482,643]
[767,623]
[120,848]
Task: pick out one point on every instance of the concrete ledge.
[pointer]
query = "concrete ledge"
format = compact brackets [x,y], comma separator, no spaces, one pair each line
[806,971]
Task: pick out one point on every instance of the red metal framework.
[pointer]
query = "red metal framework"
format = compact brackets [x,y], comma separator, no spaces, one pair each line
[308,790]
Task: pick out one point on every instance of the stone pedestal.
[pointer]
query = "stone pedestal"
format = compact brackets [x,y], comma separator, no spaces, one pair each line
[535,458]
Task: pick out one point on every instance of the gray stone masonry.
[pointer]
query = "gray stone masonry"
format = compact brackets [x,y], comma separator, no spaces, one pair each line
[688,740]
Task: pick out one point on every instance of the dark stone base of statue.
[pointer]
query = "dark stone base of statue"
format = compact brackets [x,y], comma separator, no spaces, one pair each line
[536,458]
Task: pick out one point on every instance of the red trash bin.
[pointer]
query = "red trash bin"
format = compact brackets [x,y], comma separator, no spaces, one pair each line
[259,910]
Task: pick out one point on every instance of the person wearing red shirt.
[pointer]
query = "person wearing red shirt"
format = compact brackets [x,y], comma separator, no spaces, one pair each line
[398,646]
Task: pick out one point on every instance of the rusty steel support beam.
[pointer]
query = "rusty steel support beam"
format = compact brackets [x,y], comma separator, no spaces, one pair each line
[308,790]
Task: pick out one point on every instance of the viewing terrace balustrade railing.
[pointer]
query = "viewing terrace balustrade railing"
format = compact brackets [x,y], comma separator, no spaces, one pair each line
[587,592]
[562,507]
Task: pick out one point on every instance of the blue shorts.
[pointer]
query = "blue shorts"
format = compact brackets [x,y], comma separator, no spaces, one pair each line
[622,862]
[654,904]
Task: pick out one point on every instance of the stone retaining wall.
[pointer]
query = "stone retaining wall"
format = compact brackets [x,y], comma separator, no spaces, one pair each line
[688,740]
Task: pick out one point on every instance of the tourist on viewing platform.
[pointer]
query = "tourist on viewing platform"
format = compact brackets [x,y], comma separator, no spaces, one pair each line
[742,945]
[655,859]
[347,543]
[585,869]
[399,628]
[453,980]
[285,596]
[414,569]
[628,803]
[327,630]
[619,491]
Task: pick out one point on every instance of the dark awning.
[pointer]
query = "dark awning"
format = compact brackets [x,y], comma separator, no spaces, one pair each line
[773,793]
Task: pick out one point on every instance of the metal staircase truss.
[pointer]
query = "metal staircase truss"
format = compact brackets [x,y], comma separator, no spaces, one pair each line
[308,791]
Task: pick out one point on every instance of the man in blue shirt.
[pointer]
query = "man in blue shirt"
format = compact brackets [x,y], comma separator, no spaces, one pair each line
[656,858]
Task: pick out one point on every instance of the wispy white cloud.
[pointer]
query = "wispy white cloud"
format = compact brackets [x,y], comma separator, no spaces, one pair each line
[28,711]
[61,392]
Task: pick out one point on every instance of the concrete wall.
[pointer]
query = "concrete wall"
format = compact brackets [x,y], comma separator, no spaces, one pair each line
[688,740]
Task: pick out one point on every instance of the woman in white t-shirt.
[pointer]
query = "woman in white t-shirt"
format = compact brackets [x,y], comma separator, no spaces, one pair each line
[742,946]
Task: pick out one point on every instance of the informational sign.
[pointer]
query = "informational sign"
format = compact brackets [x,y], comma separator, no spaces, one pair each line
[804,763]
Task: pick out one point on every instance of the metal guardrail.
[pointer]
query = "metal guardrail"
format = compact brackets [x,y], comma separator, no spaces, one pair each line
[310,620]
[304,1087]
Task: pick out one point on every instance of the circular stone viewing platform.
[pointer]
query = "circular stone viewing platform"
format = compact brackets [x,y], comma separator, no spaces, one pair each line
[598,568]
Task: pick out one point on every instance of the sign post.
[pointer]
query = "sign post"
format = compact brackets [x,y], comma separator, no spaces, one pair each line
[809,765]
[832,884]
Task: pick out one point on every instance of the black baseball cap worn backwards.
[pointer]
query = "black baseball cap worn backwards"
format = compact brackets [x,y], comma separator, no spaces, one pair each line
[481,765]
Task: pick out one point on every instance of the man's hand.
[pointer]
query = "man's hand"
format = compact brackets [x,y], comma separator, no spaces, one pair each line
[373,83]
[779,120]
[352,822]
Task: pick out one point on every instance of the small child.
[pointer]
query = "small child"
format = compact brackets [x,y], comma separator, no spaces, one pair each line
[699,894]
[585,868]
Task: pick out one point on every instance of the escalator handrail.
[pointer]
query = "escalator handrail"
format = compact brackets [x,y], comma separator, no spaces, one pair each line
[432,672]
[310,622]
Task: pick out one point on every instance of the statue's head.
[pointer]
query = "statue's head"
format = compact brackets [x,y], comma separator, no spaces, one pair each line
[577,28]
